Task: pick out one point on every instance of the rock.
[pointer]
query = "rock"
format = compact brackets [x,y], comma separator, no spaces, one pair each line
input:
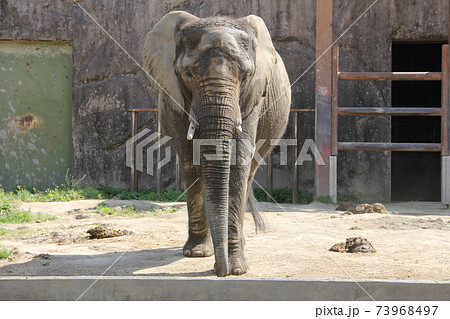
[38,221]
[81,216]
[354,245]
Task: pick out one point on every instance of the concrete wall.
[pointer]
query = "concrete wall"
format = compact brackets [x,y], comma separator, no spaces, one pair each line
[106,82]
[230,289]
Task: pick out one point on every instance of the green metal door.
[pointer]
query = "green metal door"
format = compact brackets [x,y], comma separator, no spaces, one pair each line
[35,113]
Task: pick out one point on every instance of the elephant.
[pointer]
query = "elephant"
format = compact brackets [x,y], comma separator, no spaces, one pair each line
[219,79]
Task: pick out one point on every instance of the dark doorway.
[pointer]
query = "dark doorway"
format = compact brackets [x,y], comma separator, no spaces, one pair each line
[416,175]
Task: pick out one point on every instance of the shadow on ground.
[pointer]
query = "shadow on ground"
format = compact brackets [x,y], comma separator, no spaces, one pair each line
[109,264]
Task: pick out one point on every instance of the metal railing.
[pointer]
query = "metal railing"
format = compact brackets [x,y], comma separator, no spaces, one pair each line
[442,112]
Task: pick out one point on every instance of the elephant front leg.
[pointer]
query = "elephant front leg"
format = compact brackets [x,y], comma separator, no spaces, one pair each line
[238,199]
[199,243]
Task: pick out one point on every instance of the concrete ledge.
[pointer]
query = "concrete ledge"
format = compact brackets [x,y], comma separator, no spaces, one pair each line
[171,288]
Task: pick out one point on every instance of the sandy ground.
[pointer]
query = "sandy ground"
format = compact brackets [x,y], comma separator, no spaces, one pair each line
[412,243]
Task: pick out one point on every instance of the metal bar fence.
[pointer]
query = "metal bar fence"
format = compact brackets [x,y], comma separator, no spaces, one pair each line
[442,76]
[134,173]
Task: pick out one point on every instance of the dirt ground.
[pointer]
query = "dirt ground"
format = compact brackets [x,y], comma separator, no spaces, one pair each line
[412,243]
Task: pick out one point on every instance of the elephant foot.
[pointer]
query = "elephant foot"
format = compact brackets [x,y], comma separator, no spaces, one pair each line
[239,265]
[198,247]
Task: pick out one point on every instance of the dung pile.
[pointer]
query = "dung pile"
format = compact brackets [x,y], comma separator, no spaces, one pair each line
[354,245]
[350,208]
[106,232]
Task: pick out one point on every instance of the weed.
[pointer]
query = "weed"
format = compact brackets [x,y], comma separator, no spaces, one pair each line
[260,194]
[11,215]
[17,216]
[3,231]
[348,197]
[305,198]
[335,216]
[161,211]
[71,182]
[5,252]
[324,199]
[103,209]
[356,227]
[282,195]
[72,191]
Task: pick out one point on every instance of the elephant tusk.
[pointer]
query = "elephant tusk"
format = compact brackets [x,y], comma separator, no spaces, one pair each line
[239,129]
[191,131]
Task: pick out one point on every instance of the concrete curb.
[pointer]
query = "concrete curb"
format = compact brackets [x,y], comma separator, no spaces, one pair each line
[177,288]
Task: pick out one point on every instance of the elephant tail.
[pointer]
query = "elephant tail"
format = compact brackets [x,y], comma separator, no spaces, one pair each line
[253,206]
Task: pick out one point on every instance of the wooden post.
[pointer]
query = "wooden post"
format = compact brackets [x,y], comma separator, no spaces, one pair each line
[134,173]
[158,160]
[323,124]
[269,176]
[334,101]
[294,157]
[177,173]
[445,168]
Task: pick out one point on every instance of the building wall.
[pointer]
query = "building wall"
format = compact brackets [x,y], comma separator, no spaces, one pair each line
[106,82]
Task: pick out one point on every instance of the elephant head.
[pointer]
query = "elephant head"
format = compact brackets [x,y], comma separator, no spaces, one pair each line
[216,72]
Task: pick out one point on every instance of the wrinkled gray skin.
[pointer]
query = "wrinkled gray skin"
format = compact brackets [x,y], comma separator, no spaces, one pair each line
[217,73]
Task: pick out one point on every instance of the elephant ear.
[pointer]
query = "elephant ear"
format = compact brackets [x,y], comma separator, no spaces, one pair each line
[265,59]
[159,55]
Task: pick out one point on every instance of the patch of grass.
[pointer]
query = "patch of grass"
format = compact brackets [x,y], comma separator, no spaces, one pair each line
[260,194]
[305,198]
[10,214]
[5,252]
[169,195]
[3,231]
[348,197]
[16,216]
[282,195]
[69,193]
[335,216]
[324,199]
[161,211]
[103,209]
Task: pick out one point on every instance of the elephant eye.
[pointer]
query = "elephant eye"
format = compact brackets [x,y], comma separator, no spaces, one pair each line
[188,74]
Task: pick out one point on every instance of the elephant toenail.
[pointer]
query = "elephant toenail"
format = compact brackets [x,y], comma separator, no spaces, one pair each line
[187,253]
[197,253]
[237,271]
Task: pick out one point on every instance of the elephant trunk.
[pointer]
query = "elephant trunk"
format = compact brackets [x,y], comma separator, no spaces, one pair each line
[217,124]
